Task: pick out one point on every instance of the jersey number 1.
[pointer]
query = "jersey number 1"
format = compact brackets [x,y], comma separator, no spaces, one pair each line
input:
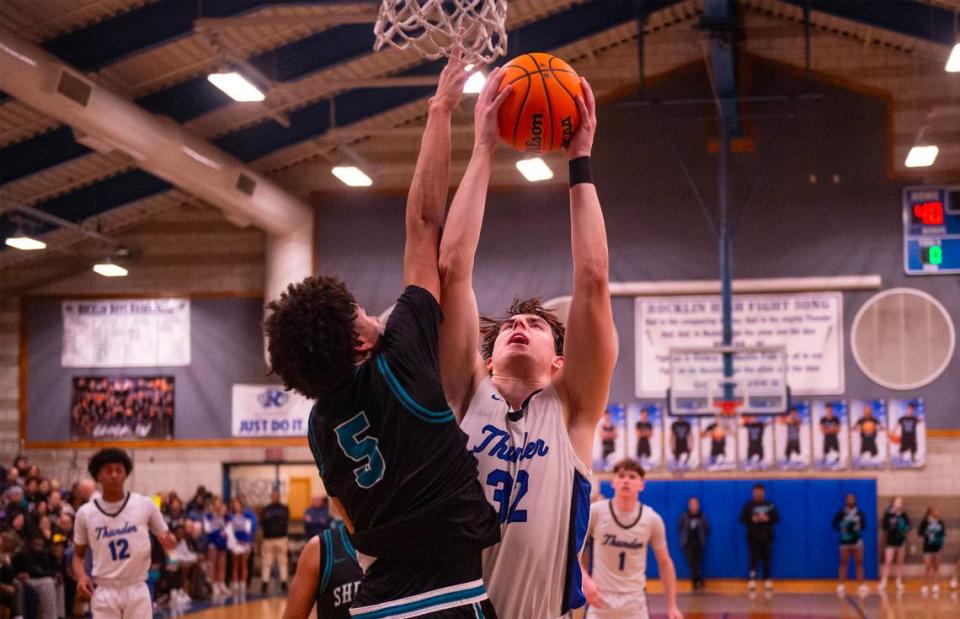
[119,549]
[508,510]
[365,450]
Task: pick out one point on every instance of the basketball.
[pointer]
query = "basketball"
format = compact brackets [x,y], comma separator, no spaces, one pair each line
[894,438]
[541,114]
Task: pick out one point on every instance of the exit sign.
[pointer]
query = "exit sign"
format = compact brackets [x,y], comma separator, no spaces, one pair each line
[931,230]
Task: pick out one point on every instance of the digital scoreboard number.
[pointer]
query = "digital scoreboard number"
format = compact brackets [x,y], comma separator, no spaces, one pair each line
[931,230]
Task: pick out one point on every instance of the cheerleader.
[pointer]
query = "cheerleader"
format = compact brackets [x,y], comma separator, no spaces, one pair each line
[214,526]
[239,532]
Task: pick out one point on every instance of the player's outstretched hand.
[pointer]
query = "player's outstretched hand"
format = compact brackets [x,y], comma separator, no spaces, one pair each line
[590,591]
[450,86]
[486,128]
[581,144]
[85,587]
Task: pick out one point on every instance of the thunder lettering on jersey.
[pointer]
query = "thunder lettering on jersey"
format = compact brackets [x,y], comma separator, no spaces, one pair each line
[540,491]
[118,535]
[620,542]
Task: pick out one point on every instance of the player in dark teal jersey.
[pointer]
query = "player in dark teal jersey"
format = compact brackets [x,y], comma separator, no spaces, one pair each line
[328,576]
[388,448]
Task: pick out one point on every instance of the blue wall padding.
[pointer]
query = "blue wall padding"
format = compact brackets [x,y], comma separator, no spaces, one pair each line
[805,546]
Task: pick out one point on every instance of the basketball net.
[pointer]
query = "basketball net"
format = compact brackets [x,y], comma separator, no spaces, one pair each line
[473,30]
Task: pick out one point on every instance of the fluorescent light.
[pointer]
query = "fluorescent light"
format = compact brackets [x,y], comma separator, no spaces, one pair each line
[921,156]
[474,83]
[25,243]
[953,62]
[109,269]
[352,176]
[236,86]
[534,169]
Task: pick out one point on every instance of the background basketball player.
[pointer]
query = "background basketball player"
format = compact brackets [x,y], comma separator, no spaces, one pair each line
[681,430]
[755,429]
[644,431]
[116,526]
[760,515]
[327,576]
[793,424]
[621,530]
[532,401]
[830,427]
[869,427]
[908,432]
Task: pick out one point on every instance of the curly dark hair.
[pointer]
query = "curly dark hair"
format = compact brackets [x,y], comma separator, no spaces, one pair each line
[311,336]
[490,327]
[109,455]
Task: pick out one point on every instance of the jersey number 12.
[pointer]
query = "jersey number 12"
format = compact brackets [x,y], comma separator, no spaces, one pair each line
[119,549]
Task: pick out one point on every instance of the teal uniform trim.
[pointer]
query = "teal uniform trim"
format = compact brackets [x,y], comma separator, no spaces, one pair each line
[327,541]
[421,413]
[346,542]
[422,604]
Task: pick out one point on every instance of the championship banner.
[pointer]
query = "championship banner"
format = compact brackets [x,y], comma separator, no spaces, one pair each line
[126,333]
[122,407]
[809,325]
[268,410]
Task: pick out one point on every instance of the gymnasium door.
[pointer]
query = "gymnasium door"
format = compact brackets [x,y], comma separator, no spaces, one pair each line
[298,497]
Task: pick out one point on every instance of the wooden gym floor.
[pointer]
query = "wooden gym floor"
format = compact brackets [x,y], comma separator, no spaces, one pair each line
[725,599]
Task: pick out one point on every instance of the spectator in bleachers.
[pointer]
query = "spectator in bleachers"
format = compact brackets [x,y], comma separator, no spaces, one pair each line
[15,500]
[11,589]
[933,531]
[80,493]
[851,523]
[214,526]
[21,465]
[57,506]
[239,532]
[198,502]
[694,529]
[316,518]
[895,524]
[274,520]
[173,513]
[36,565]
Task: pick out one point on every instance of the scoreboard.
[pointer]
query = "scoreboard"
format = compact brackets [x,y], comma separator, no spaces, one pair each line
[931,230]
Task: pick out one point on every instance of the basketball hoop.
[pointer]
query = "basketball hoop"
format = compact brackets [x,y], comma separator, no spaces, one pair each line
[473,30]
[728,408]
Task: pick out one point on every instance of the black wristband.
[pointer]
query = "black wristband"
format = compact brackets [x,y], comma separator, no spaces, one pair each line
[580,171]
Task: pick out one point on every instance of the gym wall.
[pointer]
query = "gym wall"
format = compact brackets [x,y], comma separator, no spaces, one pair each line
[786,226]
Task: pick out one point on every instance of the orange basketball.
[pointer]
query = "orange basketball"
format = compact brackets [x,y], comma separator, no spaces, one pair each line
[541,114]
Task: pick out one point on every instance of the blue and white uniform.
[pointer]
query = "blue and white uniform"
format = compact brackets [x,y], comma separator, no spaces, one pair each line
[118,535]
[541,491]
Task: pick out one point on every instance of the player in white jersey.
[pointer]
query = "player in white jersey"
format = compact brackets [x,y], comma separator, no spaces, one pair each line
[530,404]
[622,529]
[116,526]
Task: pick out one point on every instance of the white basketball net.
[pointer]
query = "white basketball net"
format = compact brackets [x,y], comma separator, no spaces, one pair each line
[470,29]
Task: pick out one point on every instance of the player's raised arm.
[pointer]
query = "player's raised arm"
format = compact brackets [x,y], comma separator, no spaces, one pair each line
[461,366]
[427,198]
[589,349]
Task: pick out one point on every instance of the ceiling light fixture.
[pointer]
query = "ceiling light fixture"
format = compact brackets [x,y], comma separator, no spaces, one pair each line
[108,268]
[236,86]
[534,170]
[352,176]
